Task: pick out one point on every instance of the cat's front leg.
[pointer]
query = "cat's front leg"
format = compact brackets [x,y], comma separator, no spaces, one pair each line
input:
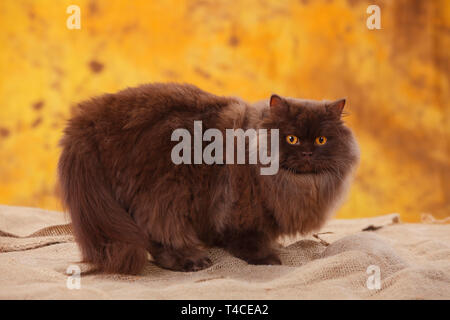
[253,247]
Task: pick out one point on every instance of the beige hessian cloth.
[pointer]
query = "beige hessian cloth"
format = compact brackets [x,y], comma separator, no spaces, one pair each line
[413,260]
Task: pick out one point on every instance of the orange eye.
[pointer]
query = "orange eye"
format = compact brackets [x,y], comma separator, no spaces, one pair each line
[321,140]
[291,139]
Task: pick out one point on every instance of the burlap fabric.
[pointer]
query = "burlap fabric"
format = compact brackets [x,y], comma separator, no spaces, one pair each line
[37,247]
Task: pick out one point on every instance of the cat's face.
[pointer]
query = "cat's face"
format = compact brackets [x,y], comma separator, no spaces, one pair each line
[313,139]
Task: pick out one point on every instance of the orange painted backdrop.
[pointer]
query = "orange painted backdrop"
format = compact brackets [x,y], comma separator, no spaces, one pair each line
[396,80]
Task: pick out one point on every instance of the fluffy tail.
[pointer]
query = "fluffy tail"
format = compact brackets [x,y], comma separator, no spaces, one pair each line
[107,235]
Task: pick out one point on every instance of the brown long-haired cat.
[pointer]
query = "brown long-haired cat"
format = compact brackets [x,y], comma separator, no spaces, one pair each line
[126,196]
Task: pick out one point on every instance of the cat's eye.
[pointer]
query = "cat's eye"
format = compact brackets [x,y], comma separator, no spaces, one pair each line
[291,139]
[321,140]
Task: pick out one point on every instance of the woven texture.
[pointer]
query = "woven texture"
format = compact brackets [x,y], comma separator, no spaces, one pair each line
[36,248]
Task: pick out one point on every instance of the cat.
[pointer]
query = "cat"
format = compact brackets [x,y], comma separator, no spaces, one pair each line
[126,198]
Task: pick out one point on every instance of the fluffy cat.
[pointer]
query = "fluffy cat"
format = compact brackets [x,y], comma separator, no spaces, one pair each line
[126,197]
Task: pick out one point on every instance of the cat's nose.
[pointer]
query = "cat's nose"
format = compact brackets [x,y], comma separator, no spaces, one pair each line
[307,153]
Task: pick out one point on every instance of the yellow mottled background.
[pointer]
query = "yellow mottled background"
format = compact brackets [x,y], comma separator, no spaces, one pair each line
[396,80]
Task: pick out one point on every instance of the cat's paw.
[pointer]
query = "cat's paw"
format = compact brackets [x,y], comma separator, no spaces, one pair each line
[187,259]
[271,259]
[196,264]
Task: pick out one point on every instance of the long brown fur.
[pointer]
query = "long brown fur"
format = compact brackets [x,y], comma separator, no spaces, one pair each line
[126,197]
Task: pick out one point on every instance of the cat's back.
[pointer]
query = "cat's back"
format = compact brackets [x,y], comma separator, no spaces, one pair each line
[156,106]
[142,102]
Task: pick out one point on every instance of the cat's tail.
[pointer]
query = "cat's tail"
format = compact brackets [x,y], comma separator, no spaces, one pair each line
[107,235]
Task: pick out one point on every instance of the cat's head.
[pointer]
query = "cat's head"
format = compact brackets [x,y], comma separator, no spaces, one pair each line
[313,137]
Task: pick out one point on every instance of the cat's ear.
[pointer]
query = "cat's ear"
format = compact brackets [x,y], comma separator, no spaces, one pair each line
[278,105]
[336,107]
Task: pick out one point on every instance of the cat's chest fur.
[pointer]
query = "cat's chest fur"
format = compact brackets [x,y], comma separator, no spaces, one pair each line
[301,203]
[281,204]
